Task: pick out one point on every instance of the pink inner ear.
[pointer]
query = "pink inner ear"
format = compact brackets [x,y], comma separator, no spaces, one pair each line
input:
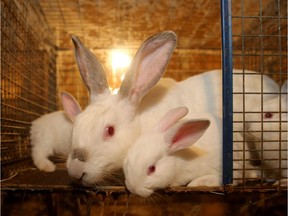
[188,134]
[70,105]
[183,132]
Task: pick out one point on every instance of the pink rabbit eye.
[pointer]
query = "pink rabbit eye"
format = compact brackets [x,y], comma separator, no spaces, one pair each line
[151,169]
[109,131]
[268,115]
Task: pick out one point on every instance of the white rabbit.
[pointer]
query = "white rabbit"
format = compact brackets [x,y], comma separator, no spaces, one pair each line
[267,127]
[51,134]
[109,125]
[176,154]
[155,160]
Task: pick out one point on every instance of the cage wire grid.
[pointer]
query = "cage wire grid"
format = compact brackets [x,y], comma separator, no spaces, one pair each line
[28,83]
[263,49]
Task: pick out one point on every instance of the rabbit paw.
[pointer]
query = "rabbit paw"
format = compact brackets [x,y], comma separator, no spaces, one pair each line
[207,180]
[45,165]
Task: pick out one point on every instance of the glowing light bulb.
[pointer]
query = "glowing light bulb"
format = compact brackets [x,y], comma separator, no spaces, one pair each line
[119,60]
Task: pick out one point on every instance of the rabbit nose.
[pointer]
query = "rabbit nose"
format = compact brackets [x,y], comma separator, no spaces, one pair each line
[79,154]
[76,168]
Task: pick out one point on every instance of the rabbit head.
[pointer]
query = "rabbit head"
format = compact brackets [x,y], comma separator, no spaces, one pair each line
[249,90]
[268,130]
[271,120]
[103,132]
[149,164]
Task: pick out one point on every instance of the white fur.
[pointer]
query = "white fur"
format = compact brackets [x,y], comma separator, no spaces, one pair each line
[104,156]
[50,134]
[256,88]
[270,134]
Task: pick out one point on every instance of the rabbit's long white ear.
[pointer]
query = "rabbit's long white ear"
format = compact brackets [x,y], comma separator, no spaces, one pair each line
[170,118]
[186,134]
[70,105]
[90,69]
[147,66]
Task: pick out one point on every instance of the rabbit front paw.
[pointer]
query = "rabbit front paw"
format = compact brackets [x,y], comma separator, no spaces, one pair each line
[207,180]
[45,165]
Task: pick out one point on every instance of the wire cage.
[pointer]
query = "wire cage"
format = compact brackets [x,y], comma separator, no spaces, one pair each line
[35,69]
[28,81]
[259,35]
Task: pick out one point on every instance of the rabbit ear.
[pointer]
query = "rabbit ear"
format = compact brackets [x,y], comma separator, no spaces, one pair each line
[70,105]
[147,66]
[170,118]
[90,69]
[186,134]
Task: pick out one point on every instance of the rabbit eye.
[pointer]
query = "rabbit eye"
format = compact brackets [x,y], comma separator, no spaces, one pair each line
[109,131]
[268,115]
[151,169]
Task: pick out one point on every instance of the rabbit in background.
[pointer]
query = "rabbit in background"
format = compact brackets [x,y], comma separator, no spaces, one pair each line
[249,90]
[51,134]
[267,128]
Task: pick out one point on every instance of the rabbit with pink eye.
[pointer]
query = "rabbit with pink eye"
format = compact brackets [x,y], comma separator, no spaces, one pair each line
[177,153]
[50,135]
[109,125]
[174,154]
[268,129]
[249,89]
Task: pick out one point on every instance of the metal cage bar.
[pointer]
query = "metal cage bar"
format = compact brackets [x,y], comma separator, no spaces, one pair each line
[227,66]
[258,39]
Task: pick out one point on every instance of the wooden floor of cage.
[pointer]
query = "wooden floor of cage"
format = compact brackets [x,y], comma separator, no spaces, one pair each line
[32,192]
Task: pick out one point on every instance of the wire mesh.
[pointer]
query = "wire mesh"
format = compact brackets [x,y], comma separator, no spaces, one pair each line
[260,119]
[28,81]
